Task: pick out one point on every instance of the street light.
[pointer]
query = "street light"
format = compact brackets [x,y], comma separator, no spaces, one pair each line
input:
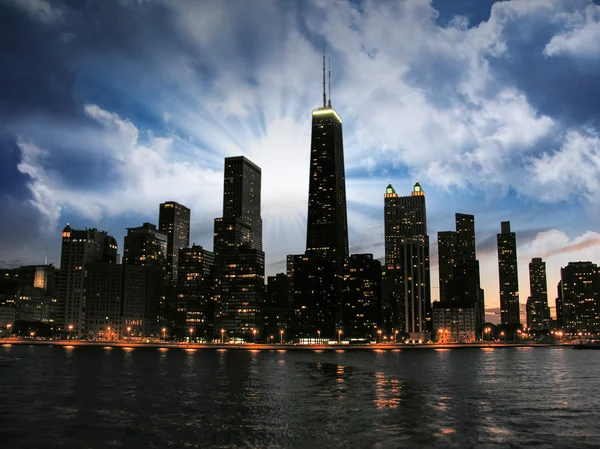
[191,332]
[487,331]
[222,336]
[379,332]
[70,329]
[254,333]
[339,336]
[8,326]
[396,336]
[164,329]
[108,333]
[272,337]
[318,336]
[281,336]
[128,331]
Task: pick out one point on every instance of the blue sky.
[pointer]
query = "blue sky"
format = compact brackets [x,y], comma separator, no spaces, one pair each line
[109,108]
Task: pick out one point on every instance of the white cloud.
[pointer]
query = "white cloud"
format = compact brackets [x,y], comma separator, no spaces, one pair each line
[573,169]
[581,36]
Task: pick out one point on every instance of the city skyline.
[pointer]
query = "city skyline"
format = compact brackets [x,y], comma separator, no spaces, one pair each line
[127,138]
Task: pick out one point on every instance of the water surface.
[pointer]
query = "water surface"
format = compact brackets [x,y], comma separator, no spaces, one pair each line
[83,397]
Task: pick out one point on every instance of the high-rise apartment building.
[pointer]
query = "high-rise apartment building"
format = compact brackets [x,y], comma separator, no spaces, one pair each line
[538,312]
[195,291]
[508,276]
[461,296]
[407,262]
[103,300]
[277,308]
[580,297]
[239,259]
[79,248]
[145,246]
[362,307]
[174,221]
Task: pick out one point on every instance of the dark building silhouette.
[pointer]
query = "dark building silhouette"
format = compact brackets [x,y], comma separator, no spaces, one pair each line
[278,307]
[580,297]
[145,286]
[327,224]
[239,259]
[316,277]
[538,312]
[408,290]
[461,297]
[103,300]
[446,263]
[560,320]
[145,246]
[174,221]
[314,296]
[508,276]
[80,248]
[362,306]
[195,292]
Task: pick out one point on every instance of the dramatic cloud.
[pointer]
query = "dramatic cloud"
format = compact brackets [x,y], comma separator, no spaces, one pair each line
[581,36]
[115,118]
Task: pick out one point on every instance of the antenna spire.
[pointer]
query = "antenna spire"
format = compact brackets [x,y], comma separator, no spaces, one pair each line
[46,258]
[324,93]
[329,102]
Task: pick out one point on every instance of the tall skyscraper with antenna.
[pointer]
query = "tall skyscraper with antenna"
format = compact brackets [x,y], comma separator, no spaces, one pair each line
[316,277]
[327,227]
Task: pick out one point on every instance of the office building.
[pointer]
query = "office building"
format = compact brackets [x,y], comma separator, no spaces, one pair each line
[239,259]
[145,246]
[103,298]
[508,275]
[362,305]
[580,297]
[174,221]
[80,248]
[195,292]
[538,312]
[277,308]
[407,263]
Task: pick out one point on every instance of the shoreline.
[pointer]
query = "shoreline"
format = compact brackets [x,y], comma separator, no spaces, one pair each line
[278,347]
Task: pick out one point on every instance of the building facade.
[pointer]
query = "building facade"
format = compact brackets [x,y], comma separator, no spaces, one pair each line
[454,324]
[239,260]
[580,297]
[195,292]
[174,221]
[538,312]
[79,248]
[103,301]
[508,276]
[407,263]
[362,306]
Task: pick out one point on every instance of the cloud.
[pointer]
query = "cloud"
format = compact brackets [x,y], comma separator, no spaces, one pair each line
[41,10]
[581,34]
[571,170]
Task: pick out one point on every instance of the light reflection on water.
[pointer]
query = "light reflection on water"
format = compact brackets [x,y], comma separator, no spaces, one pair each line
[88,397]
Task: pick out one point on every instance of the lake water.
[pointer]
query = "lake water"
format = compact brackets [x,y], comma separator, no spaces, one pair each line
[56,397]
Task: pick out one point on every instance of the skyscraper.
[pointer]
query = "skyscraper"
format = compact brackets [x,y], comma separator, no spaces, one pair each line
[362,307]
[407,262]
[239,259]
[446,262]
[580,297]
[79,248]
[316,276]
[461,297]
[327,224]
[145,279]
[508,276]
[174,221]
[195,308]
[538,312]
[145,246]
[241,195]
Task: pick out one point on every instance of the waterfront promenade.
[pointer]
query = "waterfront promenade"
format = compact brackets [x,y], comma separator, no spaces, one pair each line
[276,346]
